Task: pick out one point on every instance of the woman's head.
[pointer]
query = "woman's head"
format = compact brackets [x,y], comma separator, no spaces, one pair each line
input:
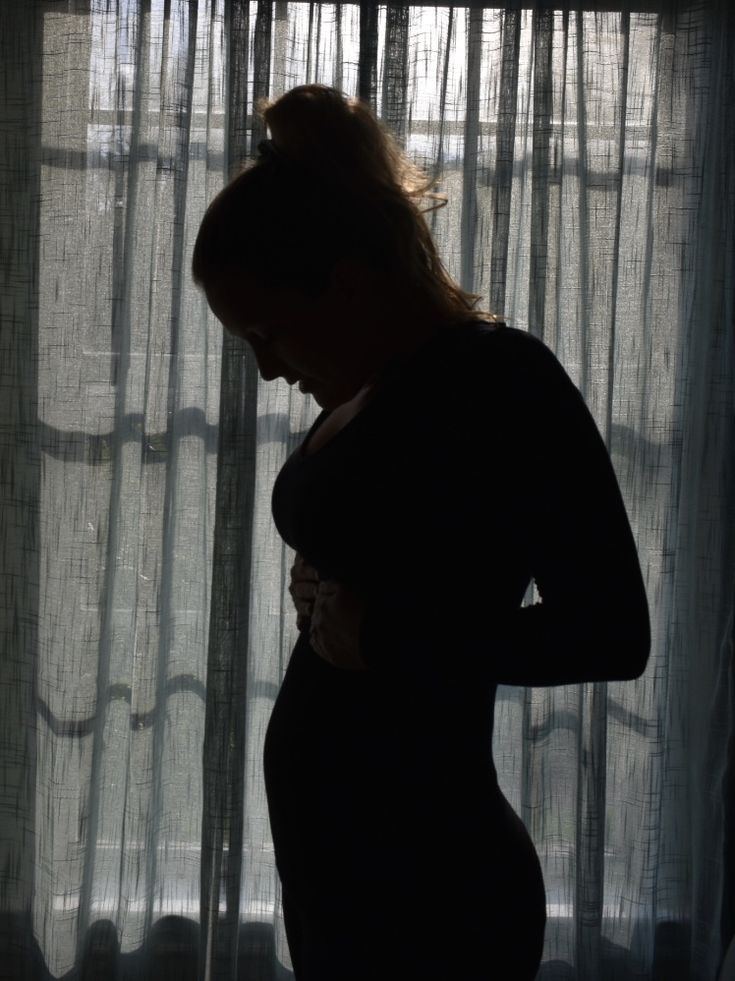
[338,190]
[343,187]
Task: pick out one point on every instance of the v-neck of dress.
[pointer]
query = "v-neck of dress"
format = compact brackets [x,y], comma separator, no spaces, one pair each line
[395,368]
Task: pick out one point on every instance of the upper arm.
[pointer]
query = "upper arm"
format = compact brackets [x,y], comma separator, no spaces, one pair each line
[582,552]
[562,496]
[526,488]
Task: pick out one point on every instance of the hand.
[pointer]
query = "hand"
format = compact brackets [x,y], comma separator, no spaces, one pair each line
[304,588]
[333,613]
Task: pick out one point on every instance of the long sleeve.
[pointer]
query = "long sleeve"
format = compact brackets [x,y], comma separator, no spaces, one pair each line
[567,519]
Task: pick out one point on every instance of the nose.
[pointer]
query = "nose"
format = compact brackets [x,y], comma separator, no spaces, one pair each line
[271,368]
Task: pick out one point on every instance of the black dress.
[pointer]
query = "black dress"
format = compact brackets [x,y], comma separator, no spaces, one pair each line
[476,467]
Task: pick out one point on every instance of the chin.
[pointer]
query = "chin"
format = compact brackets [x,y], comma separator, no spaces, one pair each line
[328,399]
[323,399]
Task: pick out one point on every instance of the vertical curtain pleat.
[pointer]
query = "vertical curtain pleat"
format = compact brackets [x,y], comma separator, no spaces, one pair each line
[543,91]
[445,64]
[592,704]
[706,408]
[21,39]
[671,904]
[396,65]
[367,69]
[229,646]
[504,155]
[125,431]
[470,156]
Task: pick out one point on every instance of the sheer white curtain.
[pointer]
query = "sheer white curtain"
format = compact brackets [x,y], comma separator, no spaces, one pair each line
[146,623]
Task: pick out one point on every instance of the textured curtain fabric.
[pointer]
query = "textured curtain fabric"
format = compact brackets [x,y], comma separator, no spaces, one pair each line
[145,621]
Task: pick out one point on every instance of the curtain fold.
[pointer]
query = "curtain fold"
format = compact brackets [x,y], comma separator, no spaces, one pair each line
[589,162]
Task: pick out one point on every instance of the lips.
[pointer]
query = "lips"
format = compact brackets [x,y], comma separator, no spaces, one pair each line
[304,385]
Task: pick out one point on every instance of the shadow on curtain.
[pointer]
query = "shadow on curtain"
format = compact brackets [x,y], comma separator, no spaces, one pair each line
[146,623]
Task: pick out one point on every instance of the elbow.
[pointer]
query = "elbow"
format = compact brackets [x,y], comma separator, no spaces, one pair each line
[637,664]
[626,645]
[635,648]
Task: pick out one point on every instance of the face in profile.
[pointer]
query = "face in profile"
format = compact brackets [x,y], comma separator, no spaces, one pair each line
[323,343]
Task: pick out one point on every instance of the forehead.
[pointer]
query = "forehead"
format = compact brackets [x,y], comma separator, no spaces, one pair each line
[240,298]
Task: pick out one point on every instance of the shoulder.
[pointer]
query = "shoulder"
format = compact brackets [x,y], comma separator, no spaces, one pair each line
[502,338]
[514,360]
[512,380]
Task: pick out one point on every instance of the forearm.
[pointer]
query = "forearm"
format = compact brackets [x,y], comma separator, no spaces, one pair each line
[538,646]
[534,646]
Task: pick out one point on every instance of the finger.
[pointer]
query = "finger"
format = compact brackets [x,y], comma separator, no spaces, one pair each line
[297,576]
[304,610]
[303,569]
[303,590]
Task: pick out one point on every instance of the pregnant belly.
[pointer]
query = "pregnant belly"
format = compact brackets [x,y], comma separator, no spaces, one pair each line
[327,736]
[333,727]
[355,789]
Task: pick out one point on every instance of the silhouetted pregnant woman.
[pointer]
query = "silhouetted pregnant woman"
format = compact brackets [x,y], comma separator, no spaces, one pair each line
[453,462]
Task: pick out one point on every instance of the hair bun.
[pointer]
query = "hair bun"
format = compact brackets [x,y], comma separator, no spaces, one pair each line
[307,119]
[336,138]
[332,183]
